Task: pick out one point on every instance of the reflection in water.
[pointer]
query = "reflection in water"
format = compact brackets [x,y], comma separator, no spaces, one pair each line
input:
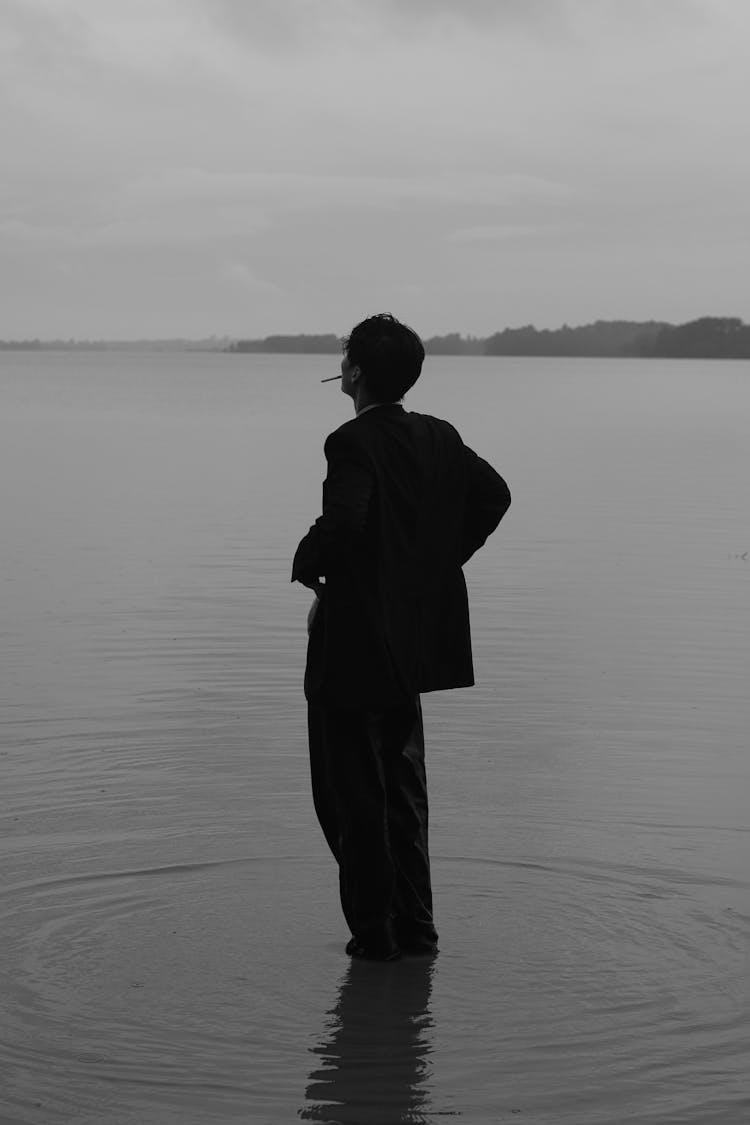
[373,1058]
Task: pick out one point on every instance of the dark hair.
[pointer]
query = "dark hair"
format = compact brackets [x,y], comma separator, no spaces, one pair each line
[388,353]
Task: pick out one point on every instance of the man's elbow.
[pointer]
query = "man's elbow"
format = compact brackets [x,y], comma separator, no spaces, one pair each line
[504,500]
[501,501]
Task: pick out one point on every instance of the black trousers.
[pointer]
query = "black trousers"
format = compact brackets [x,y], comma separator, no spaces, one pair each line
[370,794]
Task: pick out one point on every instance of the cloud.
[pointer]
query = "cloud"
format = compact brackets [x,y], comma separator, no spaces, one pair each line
[499,232]
[304,191]
[300,25]
[238,273]
[24,233]
[158,222]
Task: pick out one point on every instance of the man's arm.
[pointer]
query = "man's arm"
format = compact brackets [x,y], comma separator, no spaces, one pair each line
[347,491]
[487,501]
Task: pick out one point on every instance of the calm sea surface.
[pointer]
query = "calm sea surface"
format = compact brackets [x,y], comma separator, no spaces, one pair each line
[172,944]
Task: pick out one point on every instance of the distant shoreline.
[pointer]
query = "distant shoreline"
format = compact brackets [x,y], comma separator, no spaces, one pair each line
[704,338]
[171,345]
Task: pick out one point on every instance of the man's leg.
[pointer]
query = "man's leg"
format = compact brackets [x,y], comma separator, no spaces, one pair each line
[353,751]
[402,737]
[324,798]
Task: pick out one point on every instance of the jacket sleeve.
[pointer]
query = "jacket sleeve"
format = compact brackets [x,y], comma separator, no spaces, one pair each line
[487,501]
[347,492]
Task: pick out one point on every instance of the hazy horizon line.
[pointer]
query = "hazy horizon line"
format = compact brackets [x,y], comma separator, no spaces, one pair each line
[226,337]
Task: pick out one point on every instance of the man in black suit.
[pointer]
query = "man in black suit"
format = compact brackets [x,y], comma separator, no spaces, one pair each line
[405,505]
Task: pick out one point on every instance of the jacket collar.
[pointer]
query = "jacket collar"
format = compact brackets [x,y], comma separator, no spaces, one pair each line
[379,406]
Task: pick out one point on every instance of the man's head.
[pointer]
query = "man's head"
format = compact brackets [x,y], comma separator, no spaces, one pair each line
[387,354]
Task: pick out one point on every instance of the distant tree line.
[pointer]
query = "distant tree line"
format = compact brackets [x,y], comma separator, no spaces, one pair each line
[175,344]
[602,338]
[709,337]
[327,344]
[454,344]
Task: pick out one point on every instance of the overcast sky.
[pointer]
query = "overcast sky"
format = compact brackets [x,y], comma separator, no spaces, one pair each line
[191,167]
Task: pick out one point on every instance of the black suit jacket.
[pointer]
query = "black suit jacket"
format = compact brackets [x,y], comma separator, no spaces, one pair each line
[405,504]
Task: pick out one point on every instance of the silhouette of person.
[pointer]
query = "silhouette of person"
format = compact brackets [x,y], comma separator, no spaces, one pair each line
[405,505]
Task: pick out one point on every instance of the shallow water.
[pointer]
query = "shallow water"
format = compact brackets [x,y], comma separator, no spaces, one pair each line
[172,944]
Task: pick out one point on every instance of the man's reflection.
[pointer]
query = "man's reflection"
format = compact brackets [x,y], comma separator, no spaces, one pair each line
[373,1062]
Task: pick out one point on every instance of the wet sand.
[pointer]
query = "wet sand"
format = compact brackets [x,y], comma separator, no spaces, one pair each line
[172,943]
